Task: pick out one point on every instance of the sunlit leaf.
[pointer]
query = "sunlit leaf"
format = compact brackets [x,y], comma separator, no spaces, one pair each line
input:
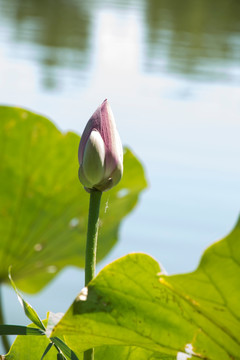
[129,353]
[43,207]
[31,348]
[132,303]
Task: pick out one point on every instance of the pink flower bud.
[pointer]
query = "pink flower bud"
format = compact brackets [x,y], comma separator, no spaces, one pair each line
[100,151]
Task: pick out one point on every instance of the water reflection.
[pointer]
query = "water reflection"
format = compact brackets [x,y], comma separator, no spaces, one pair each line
[190,37]
[193,37]
[58,31]
[56,23]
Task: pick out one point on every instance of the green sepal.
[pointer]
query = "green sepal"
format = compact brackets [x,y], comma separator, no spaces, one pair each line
[47,350]
[19,330]
[64,348]
[28,309]
[60,356]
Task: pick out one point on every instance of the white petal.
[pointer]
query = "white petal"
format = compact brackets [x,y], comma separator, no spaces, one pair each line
[93,158]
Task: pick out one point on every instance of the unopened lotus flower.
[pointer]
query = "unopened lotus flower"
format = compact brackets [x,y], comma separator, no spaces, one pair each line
[100,151]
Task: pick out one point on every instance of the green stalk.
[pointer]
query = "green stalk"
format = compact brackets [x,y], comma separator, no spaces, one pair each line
[91,246]
[5,341]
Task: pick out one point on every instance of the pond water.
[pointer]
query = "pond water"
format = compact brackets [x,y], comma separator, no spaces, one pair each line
[171,71]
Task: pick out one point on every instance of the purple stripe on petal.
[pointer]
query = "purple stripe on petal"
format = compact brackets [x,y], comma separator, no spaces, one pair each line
[103,121]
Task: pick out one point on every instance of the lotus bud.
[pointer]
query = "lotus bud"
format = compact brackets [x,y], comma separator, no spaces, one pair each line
[100,151]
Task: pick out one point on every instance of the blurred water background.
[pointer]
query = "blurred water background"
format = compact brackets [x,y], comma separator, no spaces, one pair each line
[171,71]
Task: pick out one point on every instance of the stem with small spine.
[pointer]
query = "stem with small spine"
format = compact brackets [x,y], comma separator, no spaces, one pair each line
[91,246]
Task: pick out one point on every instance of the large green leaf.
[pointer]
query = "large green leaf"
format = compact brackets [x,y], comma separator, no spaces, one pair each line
[116,352]
[132,303]
[43,207]
[32,347]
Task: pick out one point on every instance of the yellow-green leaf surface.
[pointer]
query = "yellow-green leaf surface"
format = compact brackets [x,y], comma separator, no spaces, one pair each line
[130,303]
[28,347]
[117,352]
[43,207]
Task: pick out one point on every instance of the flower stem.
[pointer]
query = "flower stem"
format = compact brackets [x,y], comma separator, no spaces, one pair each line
[91,246]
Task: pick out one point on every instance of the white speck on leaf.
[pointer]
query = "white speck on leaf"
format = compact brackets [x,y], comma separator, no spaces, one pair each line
[73,223]
[123,192]
[83,295]
[38,247]
[51,269]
